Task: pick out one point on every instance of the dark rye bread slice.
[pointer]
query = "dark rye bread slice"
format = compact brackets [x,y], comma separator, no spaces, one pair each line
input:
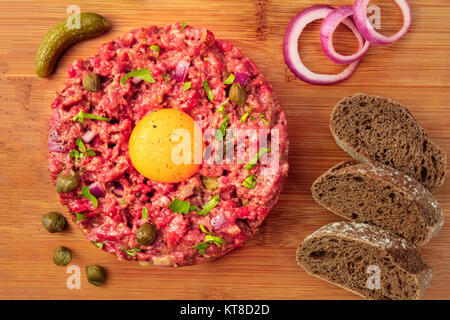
[381,196]
[352,255]
[373,128]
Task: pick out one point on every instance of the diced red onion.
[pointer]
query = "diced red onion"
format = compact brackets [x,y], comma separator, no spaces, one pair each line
[118,190]
[88,136]
[329,25]
[368,31]
[96,190]
[241,78]
[181,70]
[53,144]
[136,80]
[219,222]
[290,46]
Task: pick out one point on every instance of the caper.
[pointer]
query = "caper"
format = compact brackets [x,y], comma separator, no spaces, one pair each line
[62,256]
[237,94]
[53,222]
[146,234]
[95,275]
[92,82]
[210,183]
[67,182]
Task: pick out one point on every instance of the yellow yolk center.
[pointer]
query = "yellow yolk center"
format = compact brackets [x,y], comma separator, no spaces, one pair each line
[166,146]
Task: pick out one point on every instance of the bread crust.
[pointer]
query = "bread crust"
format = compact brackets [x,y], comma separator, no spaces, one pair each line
[430,214]
[404,254]
[428,155]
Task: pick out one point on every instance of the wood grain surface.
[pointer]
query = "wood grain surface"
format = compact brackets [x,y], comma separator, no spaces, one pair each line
[414,71]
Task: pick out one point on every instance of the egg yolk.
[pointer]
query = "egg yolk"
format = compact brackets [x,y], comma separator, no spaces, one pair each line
[166,146]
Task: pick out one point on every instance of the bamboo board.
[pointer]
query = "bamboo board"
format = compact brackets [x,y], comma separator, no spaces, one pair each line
[415,71]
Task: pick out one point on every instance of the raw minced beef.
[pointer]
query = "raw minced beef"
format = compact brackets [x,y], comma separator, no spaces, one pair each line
[119,215]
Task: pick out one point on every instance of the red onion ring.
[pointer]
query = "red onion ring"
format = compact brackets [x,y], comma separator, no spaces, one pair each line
[181,70]
[88,136]
[118,190]
[96,190]
[290,46]
[329,25]
[241,78]
[53,143]
[366,28]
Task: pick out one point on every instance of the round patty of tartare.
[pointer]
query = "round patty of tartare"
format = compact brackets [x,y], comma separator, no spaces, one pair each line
[90,130]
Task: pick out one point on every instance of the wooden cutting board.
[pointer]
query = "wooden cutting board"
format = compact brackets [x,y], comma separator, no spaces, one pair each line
[415,71]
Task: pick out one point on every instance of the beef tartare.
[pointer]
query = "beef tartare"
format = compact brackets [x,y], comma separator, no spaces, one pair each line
[121,211]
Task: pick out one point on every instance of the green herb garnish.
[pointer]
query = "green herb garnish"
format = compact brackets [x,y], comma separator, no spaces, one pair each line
[82,152]
[250,182]
[79,216]
[79,143]
[180,206]
[85,192]
[208,90]
[244,117]
[166,78]
[183,25]
[209,206]
[144,213]
[98,244]
[209,239]
[131,252]
[220,133]
[187,86]
[144,74]
[263,116]
[202,246]
[83,115]
[254,160]
[155,48]
[124,202]
[230,79]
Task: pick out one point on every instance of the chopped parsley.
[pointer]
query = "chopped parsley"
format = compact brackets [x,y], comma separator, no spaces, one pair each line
[84,115]
[98,244]
[220,133]
[209,239]
[144,213]
[254,160]
[202,246]
[250,182]
[166,78]
[85,192]
[81,152]
[79,216]
[155,48]
[209,206]
[183,25]
[208,90]
[263,116]
[124,202]
[187,86]
[144,74]
[230,79]
[131,252]
[183,207]
[180,206]
[244,117]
